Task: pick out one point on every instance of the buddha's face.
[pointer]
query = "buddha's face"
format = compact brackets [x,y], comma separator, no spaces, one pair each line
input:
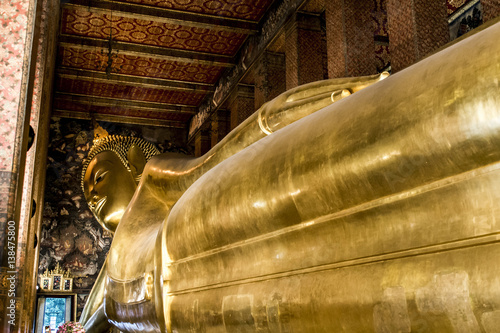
[108,188]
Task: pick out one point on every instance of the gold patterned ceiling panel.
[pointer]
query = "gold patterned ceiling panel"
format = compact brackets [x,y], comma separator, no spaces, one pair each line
[130,92]
[131,30]
[242,9]
[95,59]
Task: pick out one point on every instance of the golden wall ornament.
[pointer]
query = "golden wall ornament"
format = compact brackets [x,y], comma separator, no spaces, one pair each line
[46,281]
[99,131]
[377,213]
[67,284]
[57,279]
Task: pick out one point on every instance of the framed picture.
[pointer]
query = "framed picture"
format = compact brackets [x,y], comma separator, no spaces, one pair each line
[67,284]
[46,283]
[54,309]
[57,282]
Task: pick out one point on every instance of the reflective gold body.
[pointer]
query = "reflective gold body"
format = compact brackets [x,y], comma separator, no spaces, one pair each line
[378,213]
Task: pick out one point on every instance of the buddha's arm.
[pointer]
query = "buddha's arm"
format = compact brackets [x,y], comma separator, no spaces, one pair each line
[98,322]
[170,174]
[166,177]
[95,298]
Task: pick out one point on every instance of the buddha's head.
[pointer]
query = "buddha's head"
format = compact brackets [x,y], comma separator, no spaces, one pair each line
[111,173]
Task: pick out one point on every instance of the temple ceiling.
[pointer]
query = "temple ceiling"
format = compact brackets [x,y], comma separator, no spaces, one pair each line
[158,62]
[147,61]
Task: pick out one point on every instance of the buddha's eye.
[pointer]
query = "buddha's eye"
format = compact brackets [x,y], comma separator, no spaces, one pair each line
[100,177]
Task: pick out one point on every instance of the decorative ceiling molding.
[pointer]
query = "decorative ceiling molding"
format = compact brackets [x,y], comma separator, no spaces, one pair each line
[119,119]
[251,10]
[132,80]
[273,22]
[164,15]
[122,103]
[103,88]
[148,51]
[104,80]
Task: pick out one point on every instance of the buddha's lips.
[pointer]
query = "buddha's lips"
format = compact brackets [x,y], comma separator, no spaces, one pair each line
[99,204]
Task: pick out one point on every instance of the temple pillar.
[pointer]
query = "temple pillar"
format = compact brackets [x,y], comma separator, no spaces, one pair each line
[220,126]
[22,18]
[416,28]
[304,54]
[202,142]
[491,9]
[269,74]
[350,38]
[241,104]
[36,159]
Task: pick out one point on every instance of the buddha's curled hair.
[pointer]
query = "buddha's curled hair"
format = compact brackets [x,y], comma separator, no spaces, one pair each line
[120,146]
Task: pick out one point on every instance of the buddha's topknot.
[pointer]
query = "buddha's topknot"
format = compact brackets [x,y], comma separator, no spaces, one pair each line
[119,145]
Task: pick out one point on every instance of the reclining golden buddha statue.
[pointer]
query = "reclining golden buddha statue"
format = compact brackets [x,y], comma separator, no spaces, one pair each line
[377,213]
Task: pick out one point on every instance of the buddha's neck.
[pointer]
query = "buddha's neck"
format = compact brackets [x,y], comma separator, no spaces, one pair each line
[168,176]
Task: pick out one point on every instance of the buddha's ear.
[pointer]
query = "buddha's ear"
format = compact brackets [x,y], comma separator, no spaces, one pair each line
[136,161]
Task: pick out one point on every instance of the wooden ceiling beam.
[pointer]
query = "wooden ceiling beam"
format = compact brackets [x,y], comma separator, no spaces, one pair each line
[124,103]
[166,15]
[272,25]
[118,119]
[77,73]
[147,51]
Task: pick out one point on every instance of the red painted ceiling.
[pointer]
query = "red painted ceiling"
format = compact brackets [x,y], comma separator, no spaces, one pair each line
[165,54]
[244,9]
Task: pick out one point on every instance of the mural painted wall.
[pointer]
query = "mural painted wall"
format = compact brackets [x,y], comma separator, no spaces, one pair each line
[454,5]
[381,34]
[465,18]
[70,235]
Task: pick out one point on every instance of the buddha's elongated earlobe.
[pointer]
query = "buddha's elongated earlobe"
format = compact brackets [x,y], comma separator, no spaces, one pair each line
[136,161]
